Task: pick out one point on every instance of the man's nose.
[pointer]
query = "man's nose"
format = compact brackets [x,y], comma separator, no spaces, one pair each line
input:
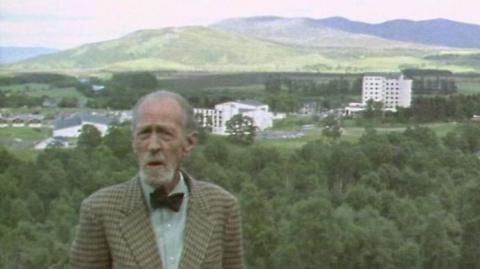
[154,143]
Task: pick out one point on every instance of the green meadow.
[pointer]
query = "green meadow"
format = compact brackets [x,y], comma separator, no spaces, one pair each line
[24,133]
[352,134]
[471,86]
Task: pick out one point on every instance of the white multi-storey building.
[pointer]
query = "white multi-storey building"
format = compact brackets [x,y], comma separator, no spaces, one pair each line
[392,92]
[216,119]
[209,118]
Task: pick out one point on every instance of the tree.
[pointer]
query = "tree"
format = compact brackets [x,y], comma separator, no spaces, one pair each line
[216,151]
[241,130]
[332,127]
[119,140]
[68,102]
[273,85]
[374,109]
[90,137]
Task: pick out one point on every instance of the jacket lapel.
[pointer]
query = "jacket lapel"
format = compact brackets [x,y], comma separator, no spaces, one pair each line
[198,228]
[137,229]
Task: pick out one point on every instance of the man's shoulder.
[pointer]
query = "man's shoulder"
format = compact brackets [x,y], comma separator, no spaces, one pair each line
[213,192]
[110,195]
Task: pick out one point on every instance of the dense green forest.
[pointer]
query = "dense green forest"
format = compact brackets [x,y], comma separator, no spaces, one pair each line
[390,200]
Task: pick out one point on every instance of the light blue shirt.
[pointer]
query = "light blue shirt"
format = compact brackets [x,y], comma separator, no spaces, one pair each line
[168,225]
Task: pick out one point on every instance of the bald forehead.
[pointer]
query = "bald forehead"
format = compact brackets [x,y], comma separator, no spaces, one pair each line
[162,106]
[159,102]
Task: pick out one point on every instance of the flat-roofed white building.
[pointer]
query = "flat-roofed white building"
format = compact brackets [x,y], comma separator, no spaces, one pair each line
[393,92]
[72,126]
[353,108]
[216,119]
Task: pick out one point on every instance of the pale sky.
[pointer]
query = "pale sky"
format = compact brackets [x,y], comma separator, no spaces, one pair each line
[69,23]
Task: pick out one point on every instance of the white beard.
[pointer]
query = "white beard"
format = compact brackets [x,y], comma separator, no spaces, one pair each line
[157,178]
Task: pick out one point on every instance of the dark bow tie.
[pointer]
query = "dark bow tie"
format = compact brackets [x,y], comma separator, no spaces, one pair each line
[159,199]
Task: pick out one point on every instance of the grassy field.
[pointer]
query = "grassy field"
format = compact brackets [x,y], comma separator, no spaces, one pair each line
[25,133]
[291,144]
[20,141]
[352,134]
[468,86]
[440,129]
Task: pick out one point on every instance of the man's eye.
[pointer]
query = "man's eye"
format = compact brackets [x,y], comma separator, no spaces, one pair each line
[166,135]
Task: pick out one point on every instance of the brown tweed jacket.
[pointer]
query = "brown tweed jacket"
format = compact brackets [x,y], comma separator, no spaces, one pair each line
[115,230]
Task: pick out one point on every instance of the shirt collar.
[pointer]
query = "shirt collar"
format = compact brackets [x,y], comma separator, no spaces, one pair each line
[181,187]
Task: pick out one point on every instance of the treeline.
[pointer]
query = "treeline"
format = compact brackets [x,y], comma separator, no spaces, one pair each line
[10,98]
[22,99]
[19,99]
[123,89]
[289,93]
[439,108]
[431,81]
[394,200]
[57,80]
[198,81]
[434,86]
[311,87]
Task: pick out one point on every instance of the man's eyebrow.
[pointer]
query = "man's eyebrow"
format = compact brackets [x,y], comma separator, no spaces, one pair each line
[144,128]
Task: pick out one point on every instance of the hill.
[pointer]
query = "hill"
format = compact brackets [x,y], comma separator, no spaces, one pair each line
[184,48]
[306,32]
[437,32]
[265,44]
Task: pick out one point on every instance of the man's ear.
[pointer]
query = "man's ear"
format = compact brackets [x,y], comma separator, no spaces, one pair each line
[191,141]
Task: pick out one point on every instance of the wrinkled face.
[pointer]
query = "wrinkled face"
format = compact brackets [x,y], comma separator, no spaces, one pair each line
[160,141]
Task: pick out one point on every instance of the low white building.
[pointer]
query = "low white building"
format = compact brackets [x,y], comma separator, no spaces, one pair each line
[122,115]
[35,123]
[18,122]
[72,126]
[217,118]
[353,108]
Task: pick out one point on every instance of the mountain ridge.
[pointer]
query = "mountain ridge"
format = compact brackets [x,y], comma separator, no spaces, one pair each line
[439,31]
[266,43]
[436,32]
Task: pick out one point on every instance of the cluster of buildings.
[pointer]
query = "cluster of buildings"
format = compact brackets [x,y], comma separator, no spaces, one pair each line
[392,91]
[212,119]
[23,120]
[68,126]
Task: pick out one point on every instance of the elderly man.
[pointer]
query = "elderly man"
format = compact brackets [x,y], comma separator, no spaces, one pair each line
[162,218]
